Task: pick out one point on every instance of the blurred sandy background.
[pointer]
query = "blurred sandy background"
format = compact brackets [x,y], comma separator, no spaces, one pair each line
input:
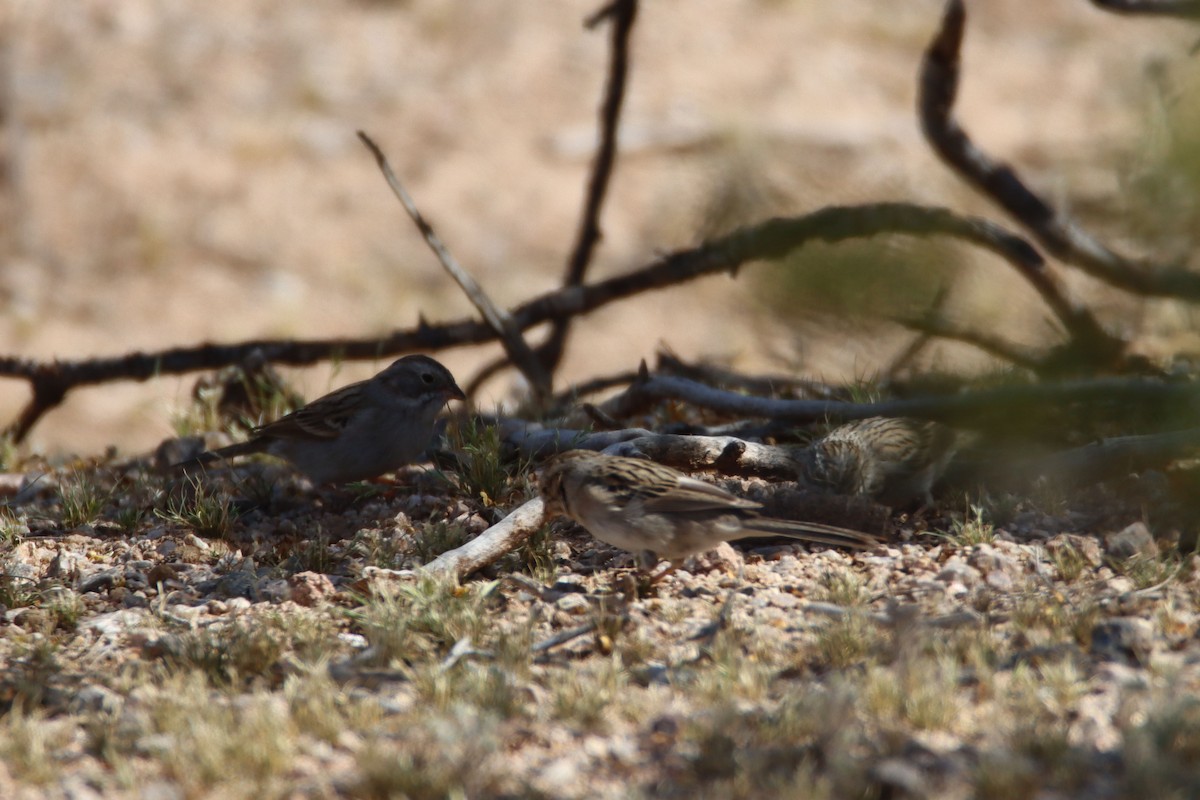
[185,170]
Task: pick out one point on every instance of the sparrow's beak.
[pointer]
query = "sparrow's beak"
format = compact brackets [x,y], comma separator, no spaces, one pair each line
[454,393]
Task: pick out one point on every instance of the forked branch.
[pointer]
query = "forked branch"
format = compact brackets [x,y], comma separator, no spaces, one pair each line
[771,240]
[1056,231]
[521,355]
[621,15]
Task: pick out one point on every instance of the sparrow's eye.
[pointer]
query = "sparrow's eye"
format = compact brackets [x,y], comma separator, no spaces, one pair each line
[426,377]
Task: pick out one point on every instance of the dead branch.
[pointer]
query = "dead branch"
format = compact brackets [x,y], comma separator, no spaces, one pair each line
[670,364]
[749,429]
[533,440]
[472,386]
[768,241]
[728,455]
[962,408]
[1183,9]
[725,454]
[497,319]
[493,544]
[540,649]
[921,341]
[599,419]
[934,324]
[622,14]
[1057,232]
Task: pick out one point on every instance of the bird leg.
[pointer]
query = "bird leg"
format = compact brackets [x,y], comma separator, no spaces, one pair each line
[651,572]
[654,576]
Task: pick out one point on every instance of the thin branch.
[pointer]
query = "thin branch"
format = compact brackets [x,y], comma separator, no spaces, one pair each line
[725,454]
[774,239]
[921,341]
[622,14]
[534,440]
[562,637]
[497,319]
[934,325]
[600,420]
[1053,229]
[1183,9]
[770,240]
[472,386]
[961,408]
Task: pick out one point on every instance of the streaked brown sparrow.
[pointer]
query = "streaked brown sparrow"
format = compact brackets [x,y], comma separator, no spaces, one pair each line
[892,460]
[647,508]
[359,431]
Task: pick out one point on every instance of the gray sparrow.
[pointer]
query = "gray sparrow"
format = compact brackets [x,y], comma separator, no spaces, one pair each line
[891,460]
[649,509]
[359,431]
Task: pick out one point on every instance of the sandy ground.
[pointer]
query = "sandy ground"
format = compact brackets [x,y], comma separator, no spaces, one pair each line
[176,171]
[185,171]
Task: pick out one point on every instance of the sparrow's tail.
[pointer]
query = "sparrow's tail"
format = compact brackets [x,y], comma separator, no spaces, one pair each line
[209,456]
[816,532]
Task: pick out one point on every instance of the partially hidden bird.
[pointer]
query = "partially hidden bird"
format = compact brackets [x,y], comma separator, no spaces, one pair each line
[893,460]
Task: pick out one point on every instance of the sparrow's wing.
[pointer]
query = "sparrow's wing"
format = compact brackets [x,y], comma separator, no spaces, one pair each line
[683,495]
[322,419]
[914,443]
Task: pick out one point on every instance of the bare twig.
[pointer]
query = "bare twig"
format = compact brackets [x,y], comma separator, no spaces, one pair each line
[1053,229]
[622,14]
[562,637]
[934,324]
[770,240]
[1184,9]
[475,383]
[708,633]
[725,454]
[491,545]
[599,15]
[921,341]
[532,440]
[601,420]
[497,318]
[1163,583]
[463,648]
[961,408]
